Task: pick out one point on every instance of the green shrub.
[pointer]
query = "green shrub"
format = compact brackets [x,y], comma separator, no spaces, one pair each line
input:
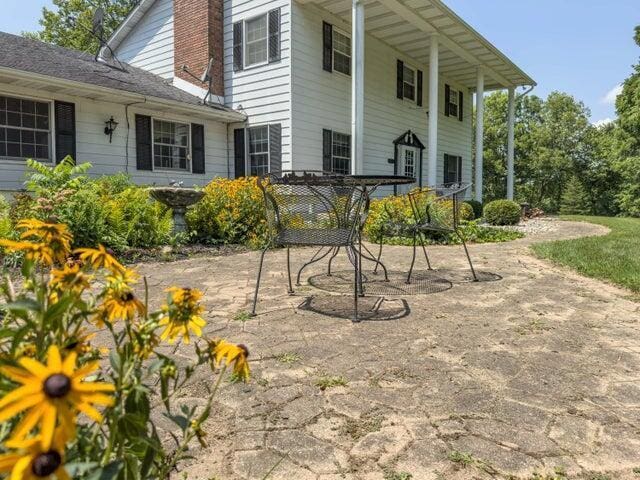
[6,226]
[232,211]
[476,206]
[502,212]
[575,200]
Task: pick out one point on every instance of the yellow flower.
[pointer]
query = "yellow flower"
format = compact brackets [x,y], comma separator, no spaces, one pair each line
[52,391]
[80,343]
[33,459]
[55,235]
[100,258]
[182,314]
[232,353]
[38,252]
[119,304]
[70,278]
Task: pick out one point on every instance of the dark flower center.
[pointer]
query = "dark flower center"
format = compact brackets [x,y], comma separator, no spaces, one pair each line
[46,463]
[127,297]
[57,385]
[244,349]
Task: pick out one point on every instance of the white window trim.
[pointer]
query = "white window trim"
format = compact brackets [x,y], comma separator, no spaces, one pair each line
[247,155]
[52,129]
[414,151]
[153,150]
[333,52]
[245,66]
[333,133]
[414,84]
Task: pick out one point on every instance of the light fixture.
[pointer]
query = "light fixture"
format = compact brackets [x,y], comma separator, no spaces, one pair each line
[110,127]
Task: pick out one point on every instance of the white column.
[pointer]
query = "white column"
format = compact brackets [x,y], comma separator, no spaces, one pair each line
[432,144]
[479,132]
[510,141]
[357,87]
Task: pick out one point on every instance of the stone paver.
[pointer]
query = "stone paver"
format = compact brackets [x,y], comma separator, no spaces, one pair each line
[516,377]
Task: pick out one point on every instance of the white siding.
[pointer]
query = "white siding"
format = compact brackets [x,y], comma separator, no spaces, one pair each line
[150,44]
[323,100]
[263,92]
[93,146]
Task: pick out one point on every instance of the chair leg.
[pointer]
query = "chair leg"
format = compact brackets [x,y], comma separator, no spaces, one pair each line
[290,287]
[336,250]
[424,249]
[314,259]
[466,251]
[375,270]
[255,294]
[413,259]
[359,263]
[356,288]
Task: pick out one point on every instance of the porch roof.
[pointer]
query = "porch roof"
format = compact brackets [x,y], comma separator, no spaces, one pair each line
[407,26]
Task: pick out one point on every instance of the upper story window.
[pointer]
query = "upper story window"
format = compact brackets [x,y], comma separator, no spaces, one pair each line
[256,43]
[341,52]
[170,145]
[409,83]
[453,102]
[258,150]
[25,129]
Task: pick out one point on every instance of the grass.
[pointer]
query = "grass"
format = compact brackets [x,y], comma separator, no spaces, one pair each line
[326,382]
[288,358]
[393,475]
[613,257]
[242,316]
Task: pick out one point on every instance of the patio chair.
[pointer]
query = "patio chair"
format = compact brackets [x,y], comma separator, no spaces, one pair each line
[435,209]
[318,209]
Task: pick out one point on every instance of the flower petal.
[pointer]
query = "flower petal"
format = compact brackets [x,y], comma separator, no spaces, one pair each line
[17,407]
[93,387]
[85,370]
[69,364]
[29,421]
[89,411]
[19,393]
[54,361]
[18,375]
[8,461]
[48,426]
[35,367]
[19,471]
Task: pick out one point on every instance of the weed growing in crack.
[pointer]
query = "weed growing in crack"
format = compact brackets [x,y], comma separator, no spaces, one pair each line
[242,316]
[636,470]
[600,476]
[461,459]
[288,358]
[394,475]
[325,382]
[366,424]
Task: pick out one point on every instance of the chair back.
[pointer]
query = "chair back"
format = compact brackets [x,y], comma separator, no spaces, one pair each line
[312,208]
[439,206]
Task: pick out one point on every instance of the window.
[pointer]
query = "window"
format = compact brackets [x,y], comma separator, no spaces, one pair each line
[170,145]
[409,83]
[258,150]
[341,153]
[452,169]
[256,48]
[341,52]
[453,102]
[25,129]
[409,163]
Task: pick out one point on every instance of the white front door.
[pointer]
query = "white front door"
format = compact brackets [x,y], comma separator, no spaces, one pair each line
[408,158]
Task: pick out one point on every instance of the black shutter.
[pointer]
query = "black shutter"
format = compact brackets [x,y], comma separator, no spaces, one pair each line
[400,84]
[460,106]
[459,175]
[274,35]
[238,63]
[447,99]
[327,141]
[239,152]
[65,119]
[275,148]
[144,155]
[197,148]
[327,46]
[419,89]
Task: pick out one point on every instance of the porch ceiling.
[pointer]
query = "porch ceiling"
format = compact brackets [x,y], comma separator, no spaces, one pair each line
[407,26]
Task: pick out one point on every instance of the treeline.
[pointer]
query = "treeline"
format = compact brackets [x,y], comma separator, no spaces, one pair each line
[563,163]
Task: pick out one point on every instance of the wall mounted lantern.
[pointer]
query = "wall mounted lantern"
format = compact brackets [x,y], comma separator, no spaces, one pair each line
[110,127]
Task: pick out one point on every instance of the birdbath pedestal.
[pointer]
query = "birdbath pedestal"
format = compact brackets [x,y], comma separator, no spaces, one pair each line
[178,199]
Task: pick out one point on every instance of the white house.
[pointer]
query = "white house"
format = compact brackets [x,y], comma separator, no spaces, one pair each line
[360,86]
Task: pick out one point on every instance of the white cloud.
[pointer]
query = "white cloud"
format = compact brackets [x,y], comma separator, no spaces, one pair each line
[610,97]
[603,122]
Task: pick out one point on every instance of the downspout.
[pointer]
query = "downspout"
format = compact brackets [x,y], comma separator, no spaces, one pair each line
[526,92]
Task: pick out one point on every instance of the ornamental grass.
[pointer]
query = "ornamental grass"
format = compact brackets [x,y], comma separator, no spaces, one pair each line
[75,407]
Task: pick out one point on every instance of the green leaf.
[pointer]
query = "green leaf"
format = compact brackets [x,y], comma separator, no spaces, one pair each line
[114,360]
[108,472]
[23,305]
[180,420]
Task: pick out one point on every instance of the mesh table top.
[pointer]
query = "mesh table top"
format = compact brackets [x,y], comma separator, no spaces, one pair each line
[311,178]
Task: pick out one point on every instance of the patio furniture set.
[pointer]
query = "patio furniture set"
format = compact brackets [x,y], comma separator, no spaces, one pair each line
[329,211]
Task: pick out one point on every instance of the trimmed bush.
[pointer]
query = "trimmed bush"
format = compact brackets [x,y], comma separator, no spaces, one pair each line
[502,212]
[476,206]
[231,212]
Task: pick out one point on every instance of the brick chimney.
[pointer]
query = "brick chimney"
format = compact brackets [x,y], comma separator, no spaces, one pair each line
[198,36]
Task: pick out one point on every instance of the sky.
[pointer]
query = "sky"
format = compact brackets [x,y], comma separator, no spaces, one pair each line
[582,47]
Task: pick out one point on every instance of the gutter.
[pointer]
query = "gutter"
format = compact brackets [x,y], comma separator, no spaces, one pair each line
[128,97]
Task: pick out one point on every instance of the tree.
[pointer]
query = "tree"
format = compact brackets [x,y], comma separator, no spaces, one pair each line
[575,200]
[69,24]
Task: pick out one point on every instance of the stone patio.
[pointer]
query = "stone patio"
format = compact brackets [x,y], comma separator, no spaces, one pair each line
[535,372]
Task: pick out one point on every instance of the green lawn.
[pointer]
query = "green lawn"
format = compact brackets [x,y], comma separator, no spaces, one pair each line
[614,257]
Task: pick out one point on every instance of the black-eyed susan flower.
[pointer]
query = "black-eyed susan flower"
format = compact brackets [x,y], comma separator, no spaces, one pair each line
[119,304]
[100,258]
[55,391]
[181,314]
[70,278]
[37,252]
[31,459]
[55,235]
[232,354]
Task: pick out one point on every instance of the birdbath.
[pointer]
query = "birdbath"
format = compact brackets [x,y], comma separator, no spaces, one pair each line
[178,199]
